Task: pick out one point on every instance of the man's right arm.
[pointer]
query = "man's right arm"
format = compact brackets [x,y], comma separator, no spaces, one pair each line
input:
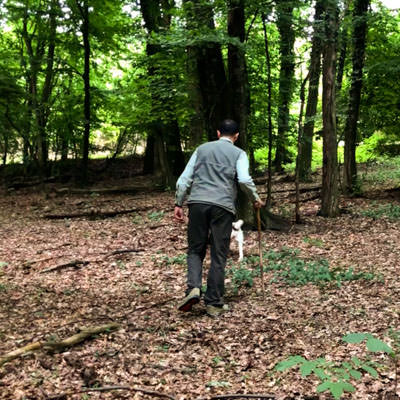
[245,181]
[185,180]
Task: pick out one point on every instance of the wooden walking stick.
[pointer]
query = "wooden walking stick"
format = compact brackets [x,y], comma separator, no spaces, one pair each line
[260,252]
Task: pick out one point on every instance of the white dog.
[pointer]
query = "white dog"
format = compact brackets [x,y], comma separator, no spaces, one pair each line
[237,234]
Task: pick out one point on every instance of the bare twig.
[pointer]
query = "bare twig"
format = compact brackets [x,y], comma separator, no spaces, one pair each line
[73,263]
[96,213]
[239,396]
[109,388]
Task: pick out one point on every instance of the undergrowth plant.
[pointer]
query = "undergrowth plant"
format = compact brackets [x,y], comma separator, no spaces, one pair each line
[390,211]
[337,377]
[288,267]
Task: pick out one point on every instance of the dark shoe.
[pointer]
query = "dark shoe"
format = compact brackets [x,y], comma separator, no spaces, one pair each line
[214,311]
[190,300]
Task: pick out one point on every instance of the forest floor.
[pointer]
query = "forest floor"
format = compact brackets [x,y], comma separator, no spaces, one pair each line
[190,355]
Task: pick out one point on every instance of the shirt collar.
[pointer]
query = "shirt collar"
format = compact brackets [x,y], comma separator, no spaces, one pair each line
[226,139]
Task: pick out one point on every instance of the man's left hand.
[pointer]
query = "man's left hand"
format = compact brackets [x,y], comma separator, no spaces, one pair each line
[178,214]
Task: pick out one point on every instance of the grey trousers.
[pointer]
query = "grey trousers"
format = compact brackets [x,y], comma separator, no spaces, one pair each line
[208,223]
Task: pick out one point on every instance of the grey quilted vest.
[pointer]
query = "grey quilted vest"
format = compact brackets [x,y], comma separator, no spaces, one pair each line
[214,177]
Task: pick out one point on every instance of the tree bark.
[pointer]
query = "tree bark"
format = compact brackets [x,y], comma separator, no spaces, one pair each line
[210,69]
[304,167]
[164,137]
[84,10]
[350,131]
[329,201]
[238,78]
[286,74]
[197,129]
[269,111]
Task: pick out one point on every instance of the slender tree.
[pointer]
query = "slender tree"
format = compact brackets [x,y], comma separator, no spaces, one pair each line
[304,167]
[329,203]
[284,10]
[350,131]
[269,112]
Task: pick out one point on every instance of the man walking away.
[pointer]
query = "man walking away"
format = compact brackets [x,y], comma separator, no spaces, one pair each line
[212,174]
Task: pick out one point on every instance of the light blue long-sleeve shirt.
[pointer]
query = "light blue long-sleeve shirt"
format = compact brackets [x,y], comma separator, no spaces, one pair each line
[242,171]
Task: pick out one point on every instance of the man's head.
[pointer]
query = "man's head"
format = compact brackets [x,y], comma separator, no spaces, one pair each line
[228,128]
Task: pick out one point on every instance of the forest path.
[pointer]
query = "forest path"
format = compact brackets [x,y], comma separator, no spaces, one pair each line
[187,355]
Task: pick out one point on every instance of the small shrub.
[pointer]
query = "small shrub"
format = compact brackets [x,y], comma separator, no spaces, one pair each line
[338,377]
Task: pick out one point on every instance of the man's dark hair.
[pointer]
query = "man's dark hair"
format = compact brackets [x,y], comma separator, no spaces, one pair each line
[228,127]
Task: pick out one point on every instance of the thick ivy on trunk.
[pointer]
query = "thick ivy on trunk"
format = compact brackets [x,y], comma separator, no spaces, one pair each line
[350,130]
[329,202]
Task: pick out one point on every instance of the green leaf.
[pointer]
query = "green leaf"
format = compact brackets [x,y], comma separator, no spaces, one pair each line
[355,374]
[356,361]
[321,373]
[370,370]
[324,386]
[336,388]
[290,362]
[355,337]
[377,345]
[307,367]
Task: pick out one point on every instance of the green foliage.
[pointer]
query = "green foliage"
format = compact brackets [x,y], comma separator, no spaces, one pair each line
[241,276]
[180,259]
[289,268]
[390,211]
[382,171]
[373,344]
[314,242]
[338,377]
[156,216]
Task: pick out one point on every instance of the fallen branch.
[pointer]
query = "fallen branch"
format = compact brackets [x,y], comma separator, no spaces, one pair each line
[123,251]
[73,263]
[68,342]
[96,213]
[239,396]
[110,190]
[149,392]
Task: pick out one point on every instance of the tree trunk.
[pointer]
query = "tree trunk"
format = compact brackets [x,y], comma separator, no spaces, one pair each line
[329,203]
[269,108]
[299,141]
[238,80]
[304,167]
[148,164]
[285,26]
[210,69]
[86,79]
[350,131]
[342,45]
[168,156]
[239,97]
[197,129]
